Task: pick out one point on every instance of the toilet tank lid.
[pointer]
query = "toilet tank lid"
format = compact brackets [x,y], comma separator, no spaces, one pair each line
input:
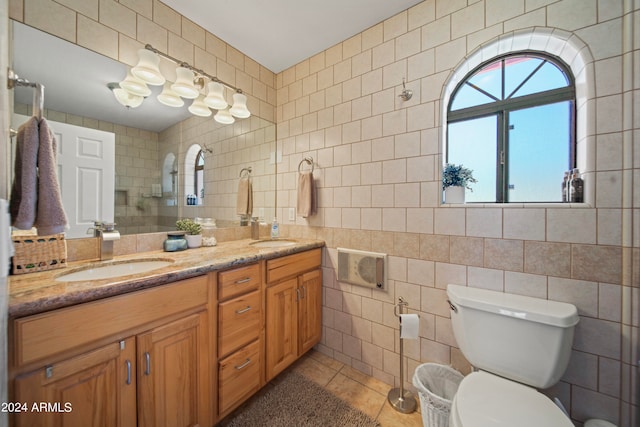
[539,310]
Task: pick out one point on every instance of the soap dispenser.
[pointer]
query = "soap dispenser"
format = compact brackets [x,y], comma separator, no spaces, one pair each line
[275,229]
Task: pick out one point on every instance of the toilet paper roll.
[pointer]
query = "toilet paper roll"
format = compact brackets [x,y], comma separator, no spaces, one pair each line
[409,325]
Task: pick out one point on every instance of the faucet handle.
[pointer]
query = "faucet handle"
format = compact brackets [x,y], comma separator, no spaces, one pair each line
[109,226]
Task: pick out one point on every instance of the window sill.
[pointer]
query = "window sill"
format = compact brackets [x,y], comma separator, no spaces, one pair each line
[558,205]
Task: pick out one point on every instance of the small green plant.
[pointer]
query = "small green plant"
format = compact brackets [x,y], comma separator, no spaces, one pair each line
[457,175]
[189,226]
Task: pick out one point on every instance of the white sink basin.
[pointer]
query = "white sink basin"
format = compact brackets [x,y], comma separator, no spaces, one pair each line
[116,269]
[272,243]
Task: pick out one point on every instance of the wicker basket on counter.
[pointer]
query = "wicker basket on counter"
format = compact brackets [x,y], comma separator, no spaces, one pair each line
[38,253]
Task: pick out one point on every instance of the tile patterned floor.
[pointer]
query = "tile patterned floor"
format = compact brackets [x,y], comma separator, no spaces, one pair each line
[360,391]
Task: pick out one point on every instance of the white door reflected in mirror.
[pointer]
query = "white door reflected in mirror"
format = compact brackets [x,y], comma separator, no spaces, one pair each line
[86,173]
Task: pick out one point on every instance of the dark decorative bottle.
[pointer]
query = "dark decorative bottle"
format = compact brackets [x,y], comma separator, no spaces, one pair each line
[576,187]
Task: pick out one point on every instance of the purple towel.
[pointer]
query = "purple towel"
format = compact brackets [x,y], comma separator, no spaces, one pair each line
[35,195]
[50,218]
[24,192]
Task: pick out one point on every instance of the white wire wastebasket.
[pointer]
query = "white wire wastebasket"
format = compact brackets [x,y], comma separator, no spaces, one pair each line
[436,385]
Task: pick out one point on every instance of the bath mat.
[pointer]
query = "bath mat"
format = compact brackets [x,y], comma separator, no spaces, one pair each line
[296,401]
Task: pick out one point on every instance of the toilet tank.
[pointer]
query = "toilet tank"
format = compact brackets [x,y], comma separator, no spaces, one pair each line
[521,338]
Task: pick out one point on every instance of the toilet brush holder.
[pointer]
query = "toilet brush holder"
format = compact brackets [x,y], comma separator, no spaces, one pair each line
[400,399]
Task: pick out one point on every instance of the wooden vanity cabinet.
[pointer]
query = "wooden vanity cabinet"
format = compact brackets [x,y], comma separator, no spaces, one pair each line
[293,308]
[170,363]
[86,390]
[135,359]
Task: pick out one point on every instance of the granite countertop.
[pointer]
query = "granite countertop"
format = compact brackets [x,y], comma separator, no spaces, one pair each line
[39,292]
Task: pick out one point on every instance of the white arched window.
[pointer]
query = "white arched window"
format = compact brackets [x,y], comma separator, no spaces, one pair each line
[511,121]
[491,68]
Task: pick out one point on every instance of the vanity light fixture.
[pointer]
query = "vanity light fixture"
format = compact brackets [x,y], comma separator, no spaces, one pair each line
[224,117]
[169,98]
[215,96]
[135,86]
[239,108]
[124,97]
[148,68]
[184,83]
[189,82]
[199,108]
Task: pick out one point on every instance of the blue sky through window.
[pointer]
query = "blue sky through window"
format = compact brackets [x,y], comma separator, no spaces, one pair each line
[537,138]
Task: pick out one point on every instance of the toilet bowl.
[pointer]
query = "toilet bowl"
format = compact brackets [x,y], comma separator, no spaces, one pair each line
[518,344]
[486,400]
[598,423]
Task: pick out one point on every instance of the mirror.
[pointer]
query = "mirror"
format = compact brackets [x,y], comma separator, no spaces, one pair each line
[156,146]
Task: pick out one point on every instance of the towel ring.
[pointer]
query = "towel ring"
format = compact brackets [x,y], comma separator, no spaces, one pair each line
[247,170]
[308,160]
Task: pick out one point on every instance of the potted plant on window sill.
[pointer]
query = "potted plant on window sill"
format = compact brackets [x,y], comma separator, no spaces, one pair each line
[193,230]
[455,180]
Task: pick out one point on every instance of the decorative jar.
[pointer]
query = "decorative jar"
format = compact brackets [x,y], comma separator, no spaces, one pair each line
[175,241]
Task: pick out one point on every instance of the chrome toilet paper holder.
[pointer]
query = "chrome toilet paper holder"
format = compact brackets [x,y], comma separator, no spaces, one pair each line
[400,399]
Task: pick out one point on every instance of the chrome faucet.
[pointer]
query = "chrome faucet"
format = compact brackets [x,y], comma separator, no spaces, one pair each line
[107,233]
[255,228]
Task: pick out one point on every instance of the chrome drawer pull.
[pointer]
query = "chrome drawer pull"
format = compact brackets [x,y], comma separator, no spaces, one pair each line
[241,281]
[128,363]
[244,365]
[147,358]
[244,310]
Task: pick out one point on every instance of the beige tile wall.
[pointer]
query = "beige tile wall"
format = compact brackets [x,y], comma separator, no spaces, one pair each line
[377,170]
[246,143]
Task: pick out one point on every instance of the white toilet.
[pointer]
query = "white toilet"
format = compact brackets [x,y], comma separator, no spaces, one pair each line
[516,343]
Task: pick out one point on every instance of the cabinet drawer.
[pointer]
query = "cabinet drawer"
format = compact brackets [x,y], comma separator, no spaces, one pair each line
[239,376]
[238,281]
[292,265]
[239,322]
[47,334]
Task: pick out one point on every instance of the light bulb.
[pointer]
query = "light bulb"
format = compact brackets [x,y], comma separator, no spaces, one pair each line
[215,97]
[169,98]
[184,84]
[147,68]
[224,117]
[127,99]
[199,108]
[135,86]
[239,108]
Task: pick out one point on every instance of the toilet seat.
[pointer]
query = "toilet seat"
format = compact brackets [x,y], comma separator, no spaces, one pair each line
[486,400]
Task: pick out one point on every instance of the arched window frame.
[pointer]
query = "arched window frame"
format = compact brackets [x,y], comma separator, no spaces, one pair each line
[190,175]
[502,107]
[197,167]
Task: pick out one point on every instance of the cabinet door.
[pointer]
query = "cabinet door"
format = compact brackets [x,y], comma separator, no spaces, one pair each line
[309,310]
[281,326]
[173,374]
[97,388]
